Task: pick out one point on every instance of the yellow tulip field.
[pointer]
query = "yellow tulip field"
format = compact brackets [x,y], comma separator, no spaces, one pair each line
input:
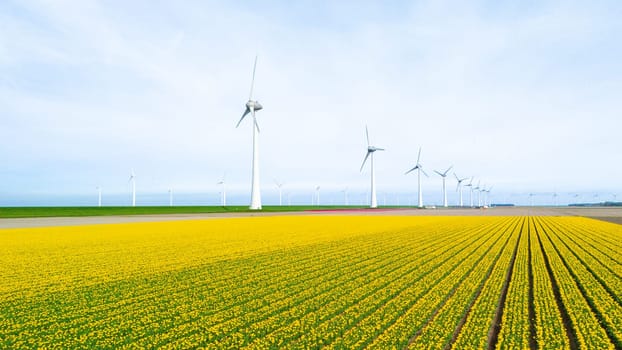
[304,282]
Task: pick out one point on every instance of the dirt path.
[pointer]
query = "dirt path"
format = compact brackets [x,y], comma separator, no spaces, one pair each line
[604,213]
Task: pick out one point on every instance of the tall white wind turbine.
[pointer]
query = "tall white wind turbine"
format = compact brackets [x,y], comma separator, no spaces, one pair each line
[251,107]
[420,170]
[370,151]
[444,176]
[459,187]
[99,196]
[223,194]
[279,185]
[133,180]
[170,197]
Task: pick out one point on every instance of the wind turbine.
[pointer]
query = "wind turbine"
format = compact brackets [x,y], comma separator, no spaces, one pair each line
[459,186]
[99,196]
[479,199]
[279,185]
[345,195]
[223,194]
[444,176]
[470,186]
[133,180]
[317,195]
[420,170]
[170,197]
[371,150]
[251,107]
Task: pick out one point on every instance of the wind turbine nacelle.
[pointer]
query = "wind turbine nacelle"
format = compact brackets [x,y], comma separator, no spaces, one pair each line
[254,105]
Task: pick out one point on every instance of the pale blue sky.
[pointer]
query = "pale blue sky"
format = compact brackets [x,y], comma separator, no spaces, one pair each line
[523,95]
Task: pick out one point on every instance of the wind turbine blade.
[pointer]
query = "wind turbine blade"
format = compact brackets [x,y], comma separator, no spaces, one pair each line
[419,156]
[255,121]
[446,171]
[243,115]
[380,149]
[256,125]
[423,171]
[367,135]
[411,170]
[438,172]
[250,96]
[457,179]
[364,160]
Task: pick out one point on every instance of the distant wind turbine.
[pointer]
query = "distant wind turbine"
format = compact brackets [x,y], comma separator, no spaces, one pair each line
[345,195]
[420,170]
[279,185]
[170,197]
[251,107]
[133,180]
[317,195]
[223,193]
[479,198]
[470,186]
[459,186]
[444,176]
[487,198]
[370,151]
[99,196]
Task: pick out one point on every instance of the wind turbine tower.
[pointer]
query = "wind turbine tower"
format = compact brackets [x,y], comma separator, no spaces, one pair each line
[251,107]
[170,197]
[479,198]
[420,170]
[99,196]
[279,185]
[459,187]
[133,180]
[370,151]
[470,186]
[444,176]
[317,196]
[223,194]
